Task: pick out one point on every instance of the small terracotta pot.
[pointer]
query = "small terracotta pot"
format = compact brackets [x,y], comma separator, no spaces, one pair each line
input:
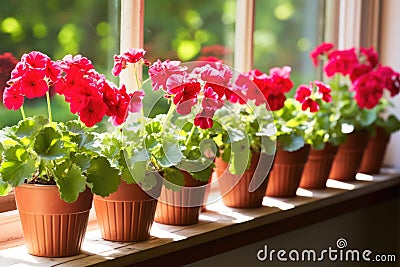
[286,172]
[181,207]
[235,189]
[127,214]
[51,226]
[371,162]
[348,157]
[317,168]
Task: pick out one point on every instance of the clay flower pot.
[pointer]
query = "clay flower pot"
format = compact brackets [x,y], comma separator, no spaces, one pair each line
[181,207]
[286,172]
[236,190]
[51,226]
[348,157]
[374,153]
[317,168]
[127,214]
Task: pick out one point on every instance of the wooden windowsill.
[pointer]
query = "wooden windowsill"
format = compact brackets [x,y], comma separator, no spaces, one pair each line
[220,228]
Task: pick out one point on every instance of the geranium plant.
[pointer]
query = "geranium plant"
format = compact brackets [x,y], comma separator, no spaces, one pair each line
[39,150]
[169,143]
[316,103]
[361,87]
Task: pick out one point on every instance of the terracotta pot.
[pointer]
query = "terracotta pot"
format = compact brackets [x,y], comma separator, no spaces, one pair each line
[374,153]
[348,157]
[317,168]
[286,172]
[127,214]
[181,207]
[235,189]
[52,227]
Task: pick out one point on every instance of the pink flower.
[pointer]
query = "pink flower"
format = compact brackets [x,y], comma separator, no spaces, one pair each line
[210,99]
[159,73]
[319,51]
[133,55]
[136,103]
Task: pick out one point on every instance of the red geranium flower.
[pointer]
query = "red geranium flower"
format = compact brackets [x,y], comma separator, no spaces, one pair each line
[12,97]
[302,93]
[320,50]
[311,104]
[341,61]
[368,90]
[93,112]
[325,90]
[204,118]
[33,84]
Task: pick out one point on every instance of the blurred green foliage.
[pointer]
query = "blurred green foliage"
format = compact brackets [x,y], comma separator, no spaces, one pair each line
[57,28]
[284,33]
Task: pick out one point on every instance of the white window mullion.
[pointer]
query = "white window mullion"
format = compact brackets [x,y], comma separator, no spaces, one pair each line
[349,24]
[132,21]
[243,58]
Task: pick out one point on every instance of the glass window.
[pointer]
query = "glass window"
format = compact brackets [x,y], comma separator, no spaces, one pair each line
[284,34]
[57,28]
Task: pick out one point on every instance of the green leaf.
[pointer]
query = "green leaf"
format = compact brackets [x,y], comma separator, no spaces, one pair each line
[170,154]
[17,166]
[103,178]
[82,160]
[71,183]
[203,175]
[5,188]
[291,142]
[75,127]
[392,124]
[48,144]
[368,116]
[29,126]
[150,181]
[85,140]
[176,177]
[240,157]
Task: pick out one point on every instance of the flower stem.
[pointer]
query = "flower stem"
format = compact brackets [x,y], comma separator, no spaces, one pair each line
[135,71]
[190,135]
[168,116]
[49,107]
[23,113]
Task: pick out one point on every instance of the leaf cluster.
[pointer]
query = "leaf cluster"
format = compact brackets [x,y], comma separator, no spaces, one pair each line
[36,151]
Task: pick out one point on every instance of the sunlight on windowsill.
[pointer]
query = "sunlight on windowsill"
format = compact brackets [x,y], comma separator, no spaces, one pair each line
[340,185]
[220,208]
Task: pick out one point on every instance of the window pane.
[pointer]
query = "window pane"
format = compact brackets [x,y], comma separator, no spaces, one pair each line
[284,34]
[189,30]
[57,28]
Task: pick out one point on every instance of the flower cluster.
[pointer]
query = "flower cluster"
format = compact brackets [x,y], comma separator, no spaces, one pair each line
[307,95]
[7,64]
[265,89]
[206,84]
[368,78]
[90,95]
